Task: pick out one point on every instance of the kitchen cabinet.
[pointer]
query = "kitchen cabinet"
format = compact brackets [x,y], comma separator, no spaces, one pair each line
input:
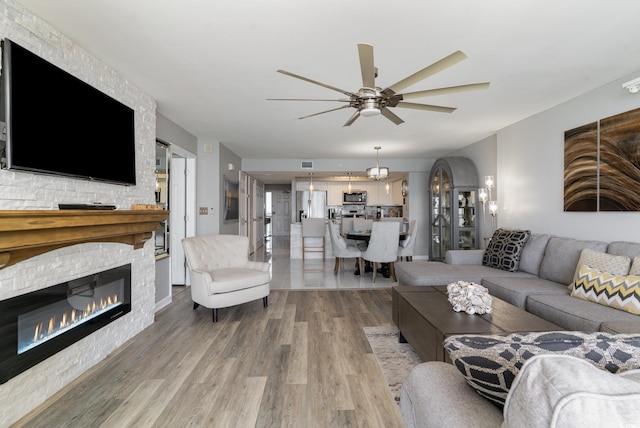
[334,193]
[453,202]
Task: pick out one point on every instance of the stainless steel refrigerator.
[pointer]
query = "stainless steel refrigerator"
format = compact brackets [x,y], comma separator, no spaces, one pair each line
[311,204]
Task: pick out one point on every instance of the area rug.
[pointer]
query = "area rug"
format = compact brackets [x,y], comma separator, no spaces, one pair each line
[395,359]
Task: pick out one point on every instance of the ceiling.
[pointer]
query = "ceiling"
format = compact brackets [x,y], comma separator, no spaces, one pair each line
[211,65]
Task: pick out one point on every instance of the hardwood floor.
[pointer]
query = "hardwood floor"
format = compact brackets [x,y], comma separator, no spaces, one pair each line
[302,362]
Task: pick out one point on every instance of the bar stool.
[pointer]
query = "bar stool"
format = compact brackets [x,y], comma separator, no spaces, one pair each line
[313,232]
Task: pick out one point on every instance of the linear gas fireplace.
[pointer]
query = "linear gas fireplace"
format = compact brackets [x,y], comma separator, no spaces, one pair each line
[36,325]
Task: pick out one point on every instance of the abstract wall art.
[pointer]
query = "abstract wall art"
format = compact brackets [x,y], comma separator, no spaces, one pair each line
[602,165]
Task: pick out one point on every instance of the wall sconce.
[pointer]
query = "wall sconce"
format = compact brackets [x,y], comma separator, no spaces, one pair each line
[484,195]
[493,210]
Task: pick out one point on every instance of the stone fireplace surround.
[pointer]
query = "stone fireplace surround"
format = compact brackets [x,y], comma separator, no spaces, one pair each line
[25,191]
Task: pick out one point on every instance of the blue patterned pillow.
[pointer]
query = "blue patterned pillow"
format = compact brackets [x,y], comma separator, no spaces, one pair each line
[505,248]
[490,363]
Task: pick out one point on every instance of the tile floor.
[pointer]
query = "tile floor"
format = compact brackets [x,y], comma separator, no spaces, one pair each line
[317,274]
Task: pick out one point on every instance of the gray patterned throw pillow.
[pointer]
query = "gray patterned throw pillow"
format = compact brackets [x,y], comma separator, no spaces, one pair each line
[504,249]
[490,363]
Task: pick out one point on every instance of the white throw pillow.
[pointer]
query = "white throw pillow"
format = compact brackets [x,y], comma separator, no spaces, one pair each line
[604,262]
[563,391]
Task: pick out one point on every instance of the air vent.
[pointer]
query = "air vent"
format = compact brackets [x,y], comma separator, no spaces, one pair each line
[306,165]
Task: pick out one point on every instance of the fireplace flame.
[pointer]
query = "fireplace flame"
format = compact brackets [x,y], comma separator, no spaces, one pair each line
[68,319]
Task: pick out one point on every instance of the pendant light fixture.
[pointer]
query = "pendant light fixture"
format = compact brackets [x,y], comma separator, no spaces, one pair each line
[378,172]
[349,186]
[311,182]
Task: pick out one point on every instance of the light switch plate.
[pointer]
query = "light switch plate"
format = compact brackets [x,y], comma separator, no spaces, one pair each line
[204,210]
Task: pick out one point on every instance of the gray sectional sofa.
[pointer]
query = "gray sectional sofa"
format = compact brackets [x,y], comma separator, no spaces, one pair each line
[540,285]
[437,394]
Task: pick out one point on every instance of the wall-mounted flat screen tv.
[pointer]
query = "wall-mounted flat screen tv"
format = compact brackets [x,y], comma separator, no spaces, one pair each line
[57,124]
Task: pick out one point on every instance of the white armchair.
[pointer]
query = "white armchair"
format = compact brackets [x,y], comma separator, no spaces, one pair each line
[222,274]
[383,246]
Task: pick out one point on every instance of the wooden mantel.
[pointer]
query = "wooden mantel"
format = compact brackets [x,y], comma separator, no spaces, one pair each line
[28,233]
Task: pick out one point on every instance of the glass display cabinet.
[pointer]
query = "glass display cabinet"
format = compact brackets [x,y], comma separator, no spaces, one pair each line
[163,154]
[453,202]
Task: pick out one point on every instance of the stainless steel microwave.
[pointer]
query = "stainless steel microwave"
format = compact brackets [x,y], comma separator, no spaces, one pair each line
[354,198]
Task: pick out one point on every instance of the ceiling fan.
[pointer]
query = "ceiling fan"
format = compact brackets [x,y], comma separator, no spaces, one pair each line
[371,100]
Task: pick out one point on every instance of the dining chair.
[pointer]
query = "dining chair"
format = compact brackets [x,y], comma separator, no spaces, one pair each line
[222,274]
[405,249]
[313,232]
[362,223]
[341,250]
[346,225]
[383,246]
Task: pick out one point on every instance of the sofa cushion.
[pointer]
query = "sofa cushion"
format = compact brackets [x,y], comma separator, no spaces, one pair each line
[533,252]
[564,391]
[561,258]
[516,290]
[615,265]
[490,363]
[571,313]
[438,273]
[635,266]
[504,249]
[617,291]
[624,248]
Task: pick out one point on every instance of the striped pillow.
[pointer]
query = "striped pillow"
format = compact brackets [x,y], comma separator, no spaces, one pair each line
[620,292]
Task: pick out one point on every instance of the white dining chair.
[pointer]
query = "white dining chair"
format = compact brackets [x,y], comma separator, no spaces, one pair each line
[383,246]
[341,250]
[362,224]
[405,249]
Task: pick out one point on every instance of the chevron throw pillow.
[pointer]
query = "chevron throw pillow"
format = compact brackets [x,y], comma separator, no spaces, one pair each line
[620,292]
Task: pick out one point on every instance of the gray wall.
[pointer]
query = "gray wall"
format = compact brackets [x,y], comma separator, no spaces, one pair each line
[170,132]
[531,167]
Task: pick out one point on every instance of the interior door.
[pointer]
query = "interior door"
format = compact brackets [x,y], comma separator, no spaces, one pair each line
[243,205]
[178,204]
[281,215]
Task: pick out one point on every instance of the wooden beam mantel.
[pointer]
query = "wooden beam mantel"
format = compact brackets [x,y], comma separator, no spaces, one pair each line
[28,233]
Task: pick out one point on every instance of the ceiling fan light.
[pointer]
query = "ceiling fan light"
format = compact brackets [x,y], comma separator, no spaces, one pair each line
[370,107]
[370,111]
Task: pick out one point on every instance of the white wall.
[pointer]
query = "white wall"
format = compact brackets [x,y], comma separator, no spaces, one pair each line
[531,166]
[20,190]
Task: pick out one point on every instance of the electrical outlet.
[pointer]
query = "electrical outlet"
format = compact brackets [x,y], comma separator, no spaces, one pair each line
[204,210]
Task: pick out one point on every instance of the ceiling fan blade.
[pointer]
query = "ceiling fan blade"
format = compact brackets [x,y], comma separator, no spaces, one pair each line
[439,109]
[448,90]
[342,100]
[353,118]
[323,112]
[347,93]
[365,52]
[391,116]
[430,70]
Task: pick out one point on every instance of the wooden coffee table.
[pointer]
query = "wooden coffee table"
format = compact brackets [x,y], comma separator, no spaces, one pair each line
[425,318]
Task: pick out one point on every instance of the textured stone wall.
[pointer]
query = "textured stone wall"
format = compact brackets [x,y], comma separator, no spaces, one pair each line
[20,190]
